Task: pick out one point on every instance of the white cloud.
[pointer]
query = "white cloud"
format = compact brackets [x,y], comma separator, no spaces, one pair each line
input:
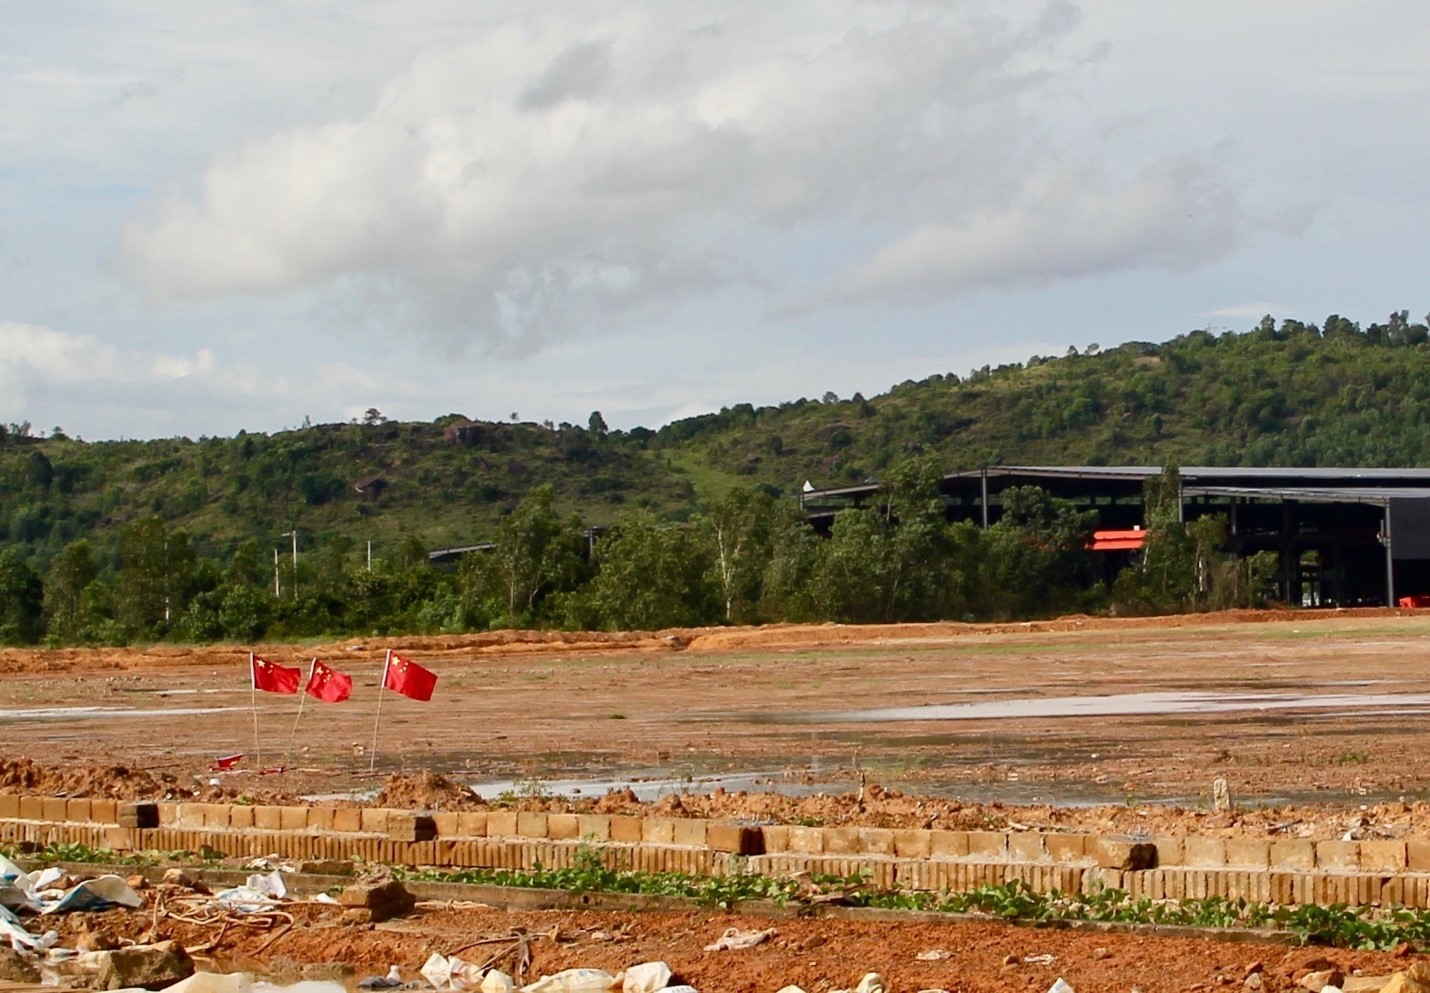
[565,173]
[1064,225]
[1251,311]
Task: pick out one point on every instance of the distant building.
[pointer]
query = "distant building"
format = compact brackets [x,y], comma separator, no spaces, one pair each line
[1343,537]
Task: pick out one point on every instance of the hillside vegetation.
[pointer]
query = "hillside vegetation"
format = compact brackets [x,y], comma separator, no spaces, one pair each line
[1292,394]
[117,541]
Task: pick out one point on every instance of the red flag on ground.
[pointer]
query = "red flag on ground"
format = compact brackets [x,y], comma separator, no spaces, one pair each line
[327,684]
[409,678]
[226,762]
[271,678]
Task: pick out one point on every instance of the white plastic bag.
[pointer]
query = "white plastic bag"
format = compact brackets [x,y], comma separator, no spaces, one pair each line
[648,977]
[573,981]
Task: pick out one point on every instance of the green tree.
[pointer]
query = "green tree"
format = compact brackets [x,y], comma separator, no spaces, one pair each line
[71,574]
[651,575]
[22,600]
[738,530]
[534,554]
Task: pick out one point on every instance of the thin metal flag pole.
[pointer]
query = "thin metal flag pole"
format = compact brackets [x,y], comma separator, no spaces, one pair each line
[381,688]
[253,696]
[302,699]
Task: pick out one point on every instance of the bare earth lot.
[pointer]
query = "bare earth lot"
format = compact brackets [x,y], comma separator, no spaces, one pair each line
[1320,723]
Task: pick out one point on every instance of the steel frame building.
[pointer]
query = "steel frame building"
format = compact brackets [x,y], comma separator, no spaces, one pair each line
[1343,537]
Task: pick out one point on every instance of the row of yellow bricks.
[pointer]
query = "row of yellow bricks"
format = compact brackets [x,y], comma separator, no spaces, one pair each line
[1265,885]
[1374,856]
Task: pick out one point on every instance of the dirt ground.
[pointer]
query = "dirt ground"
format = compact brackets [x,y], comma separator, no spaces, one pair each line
[1319,721]
[816,954]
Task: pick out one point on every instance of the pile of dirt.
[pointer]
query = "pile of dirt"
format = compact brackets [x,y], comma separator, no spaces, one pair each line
[425,790]
[117,782]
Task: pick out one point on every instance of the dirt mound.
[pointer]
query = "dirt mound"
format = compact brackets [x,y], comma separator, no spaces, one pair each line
[119,782]
[424,790]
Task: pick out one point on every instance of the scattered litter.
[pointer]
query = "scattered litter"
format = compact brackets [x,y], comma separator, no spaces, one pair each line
[451,973]
[933,955]
[496,981]
[1061,985]
[871,983]
[734,939]
[1045,958]
[214,982]
[573,981]
[387,982]
[258,893]
[648,977]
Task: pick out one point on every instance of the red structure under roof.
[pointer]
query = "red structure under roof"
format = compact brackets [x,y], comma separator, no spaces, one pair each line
[1117,541]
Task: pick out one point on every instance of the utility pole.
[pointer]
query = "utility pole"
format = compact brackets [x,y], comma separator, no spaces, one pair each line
[294,535]
[369,555]
[276,589]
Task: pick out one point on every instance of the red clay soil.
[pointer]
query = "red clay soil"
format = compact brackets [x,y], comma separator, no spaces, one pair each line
[816,954]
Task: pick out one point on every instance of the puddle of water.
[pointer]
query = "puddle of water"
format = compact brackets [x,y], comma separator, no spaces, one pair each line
[1131,704]
[86,713]
[654,784]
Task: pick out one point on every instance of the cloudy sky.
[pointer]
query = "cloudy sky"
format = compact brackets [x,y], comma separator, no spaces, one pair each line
[224,216]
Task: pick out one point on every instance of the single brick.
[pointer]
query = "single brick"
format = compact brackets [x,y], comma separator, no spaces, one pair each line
[1122,853]
[78,811]
[1026,846]
[31,808]
[531,824]
[190,815]
[1292,854]
[1253,852]
[240,815]
[841,841]
[9,806]
[563,827]
[142,816]
[409,828]
[1171,850]
[1337,855]
[293,818]
[776,837]
[912,843]
[1417,854]
[501,824]
[737,839]
[52,808]
[472,824]
[625,828]
[987,844]
[808,840]
[657,830]
[1201,851]
[320,819]
[691,831]
[1383,856]
[268,818]
[594,827]
[948,844]
[876,841]
[1066,847]
[374,820]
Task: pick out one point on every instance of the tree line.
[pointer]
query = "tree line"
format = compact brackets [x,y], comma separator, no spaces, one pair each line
[747,558]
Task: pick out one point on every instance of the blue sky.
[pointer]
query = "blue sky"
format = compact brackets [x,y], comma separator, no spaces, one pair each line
[216,217]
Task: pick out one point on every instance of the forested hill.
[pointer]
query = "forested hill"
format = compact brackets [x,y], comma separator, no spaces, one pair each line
[1293,393]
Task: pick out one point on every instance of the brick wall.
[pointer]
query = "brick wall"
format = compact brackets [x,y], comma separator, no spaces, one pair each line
[1283,871]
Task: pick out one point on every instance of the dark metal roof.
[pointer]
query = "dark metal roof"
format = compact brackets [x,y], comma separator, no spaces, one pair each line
[1379,495]
[1289,477]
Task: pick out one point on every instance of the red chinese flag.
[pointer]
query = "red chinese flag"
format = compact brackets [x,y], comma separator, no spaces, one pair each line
[271,678]
[328,685]
[409,678]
